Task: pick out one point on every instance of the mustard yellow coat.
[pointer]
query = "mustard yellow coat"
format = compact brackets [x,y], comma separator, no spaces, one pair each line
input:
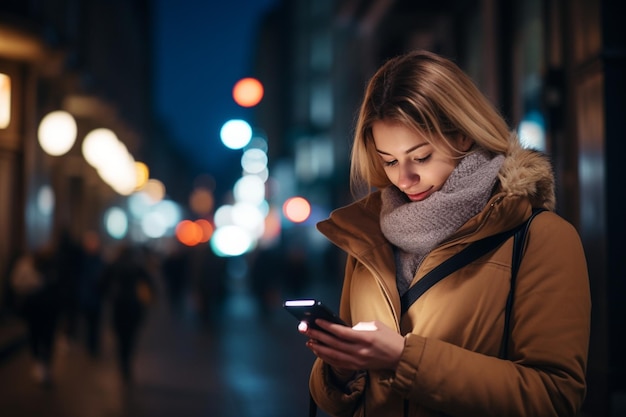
[453,333]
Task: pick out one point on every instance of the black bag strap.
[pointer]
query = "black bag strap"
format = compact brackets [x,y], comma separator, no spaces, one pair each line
[519,242]
[466,256]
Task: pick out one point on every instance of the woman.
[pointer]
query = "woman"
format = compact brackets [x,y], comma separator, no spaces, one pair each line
[448,172]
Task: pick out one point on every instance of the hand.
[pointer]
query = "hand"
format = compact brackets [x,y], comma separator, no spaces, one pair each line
[369,345]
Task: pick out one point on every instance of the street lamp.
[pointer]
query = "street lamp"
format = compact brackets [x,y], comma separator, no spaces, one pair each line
[57,132]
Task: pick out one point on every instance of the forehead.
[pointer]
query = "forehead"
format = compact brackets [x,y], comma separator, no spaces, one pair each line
[394,134]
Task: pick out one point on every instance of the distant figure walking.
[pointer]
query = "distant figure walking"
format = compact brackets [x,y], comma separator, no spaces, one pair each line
[90,291]
[34,283]
[130,289]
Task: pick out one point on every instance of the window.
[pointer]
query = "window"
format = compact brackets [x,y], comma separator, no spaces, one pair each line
[5,101]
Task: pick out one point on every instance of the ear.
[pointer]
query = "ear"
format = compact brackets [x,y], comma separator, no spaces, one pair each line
[464,142]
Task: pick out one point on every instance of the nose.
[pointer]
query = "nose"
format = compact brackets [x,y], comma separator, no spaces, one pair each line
[406,177]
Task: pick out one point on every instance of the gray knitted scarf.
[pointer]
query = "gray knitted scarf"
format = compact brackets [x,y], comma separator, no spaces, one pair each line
[415,228]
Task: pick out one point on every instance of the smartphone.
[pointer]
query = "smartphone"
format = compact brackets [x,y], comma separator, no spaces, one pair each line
[309,310]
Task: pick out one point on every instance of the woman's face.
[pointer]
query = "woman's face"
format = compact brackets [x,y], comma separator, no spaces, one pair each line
[410,162]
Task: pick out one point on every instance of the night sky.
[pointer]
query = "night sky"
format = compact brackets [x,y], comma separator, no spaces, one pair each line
[202,49]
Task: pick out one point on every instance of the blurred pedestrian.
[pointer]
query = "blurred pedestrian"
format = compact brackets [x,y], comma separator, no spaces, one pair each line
[207,274]
[34,282]
[130,288]
[90,291]
[68,259]
[175,268]
[266,277]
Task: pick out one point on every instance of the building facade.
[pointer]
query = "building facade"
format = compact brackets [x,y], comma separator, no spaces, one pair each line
[92,60]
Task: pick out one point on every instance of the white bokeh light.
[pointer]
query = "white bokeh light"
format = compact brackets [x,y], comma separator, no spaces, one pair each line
[57,132]
[154,224]
[531,131]
[139,204]
[109,156]
[45,200]
[231,241]
[170,211]
[236,134]
[254,161]
[223,216]
[116,222]
[249,217]
[249,189]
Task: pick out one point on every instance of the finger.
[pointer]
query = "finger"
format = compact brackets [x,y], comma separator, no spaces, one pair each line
[344,332]
[332,356]
[331,342]
[322,336]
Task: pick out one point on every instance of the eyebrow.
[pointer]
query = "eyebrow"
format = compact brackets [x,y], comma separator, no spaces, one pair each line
[408,151]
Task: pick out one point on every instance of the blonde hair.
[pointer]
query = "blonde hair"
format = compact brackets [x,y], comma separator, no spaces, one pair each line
[428,93]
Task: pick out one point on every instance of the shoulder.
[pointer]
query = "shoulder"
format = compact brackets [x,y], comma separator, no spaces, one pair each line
[552,240]
[528,173]
[551,225]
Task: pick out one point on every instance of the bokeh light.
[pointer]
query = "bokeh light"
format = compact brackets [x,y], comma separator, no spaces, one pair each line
[154,189]
[254,161]
[201,201]
[272,228]
[97,144]
[236,133]
[143,174]
[139,204]
[248,92]
[231,241]
[223,215]
[249,217]
[188,233]
[532,131]
[45,200]
[57,132]
[108,155]
[297,209]
[249,189]
[207,229]
[154,224]
[116,222]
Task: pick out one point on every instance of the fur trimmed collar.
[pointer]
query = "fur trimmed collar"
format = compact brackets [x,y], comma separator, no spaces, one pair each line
[528,173]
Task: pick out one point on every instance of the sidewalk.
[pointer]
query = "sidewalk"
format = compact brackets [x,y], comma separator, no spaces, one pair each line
[244,365]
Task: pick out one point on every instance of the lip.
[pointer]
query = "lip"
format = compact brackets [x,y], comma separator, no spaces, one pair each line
[419,196]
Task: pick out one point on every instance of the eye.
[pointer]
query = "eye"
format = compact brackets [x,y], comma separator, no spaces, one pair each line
[389,163]
[424,159]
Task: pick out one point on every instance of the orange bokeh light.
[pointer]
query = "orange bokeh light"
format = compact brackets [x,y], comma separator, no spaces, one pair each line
[207,229]
[248,92]
[297,209]
[189,233]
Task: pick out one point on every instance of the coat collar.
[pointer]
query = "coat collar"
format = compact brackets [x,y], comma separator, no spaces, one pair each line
[525,180]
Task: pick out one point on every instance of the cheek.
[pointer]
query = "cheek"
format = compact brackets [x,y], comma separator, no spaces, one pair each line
[442,172]
[391,176]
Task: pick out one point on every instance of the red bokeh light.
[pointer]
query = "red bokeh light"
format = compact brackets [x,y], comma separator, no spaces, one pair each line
[248,92]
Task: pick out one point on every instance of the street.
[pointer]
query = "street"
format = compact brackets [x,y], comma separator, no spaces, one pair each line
[244,364]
